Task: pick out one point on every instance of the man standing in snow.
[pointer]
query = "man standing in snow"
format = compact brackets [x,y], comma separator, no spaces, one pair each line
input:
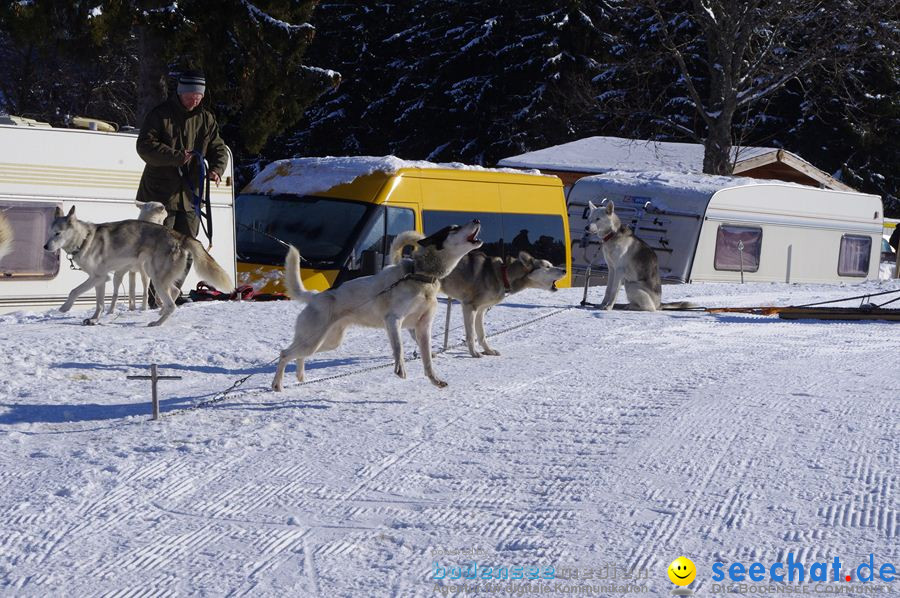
[171,131]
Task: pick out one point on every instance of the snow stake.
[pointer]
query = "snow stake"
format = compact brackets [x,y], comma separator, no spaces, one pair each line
[154,377]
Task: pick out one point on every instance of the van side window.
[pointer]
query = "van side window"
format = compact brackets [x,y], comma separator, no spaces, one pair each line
[854,256]
[398,220]
[737,248]
[491,230]
[30,224]
[541,235]
[386,224]
[373,239]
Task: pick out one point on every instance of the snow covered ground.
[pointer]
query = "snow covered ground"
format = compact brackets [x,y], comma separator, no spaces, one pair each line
[595,442]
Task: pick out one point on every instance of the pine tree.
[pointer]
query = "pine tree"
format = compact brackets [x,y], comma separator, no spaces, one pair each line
[252,54]
[444,80]
[710,64]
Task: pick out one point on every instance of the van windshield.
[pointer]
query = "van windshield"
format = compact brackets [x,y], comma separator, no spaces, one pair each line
[320,228]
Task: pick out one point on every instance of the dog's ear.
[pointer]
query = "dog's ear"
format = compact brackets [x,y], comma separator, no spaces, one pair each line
[71,214]
[139,204]
[591,205]
[610,206]
[437,239]
[526,258]
[58,212]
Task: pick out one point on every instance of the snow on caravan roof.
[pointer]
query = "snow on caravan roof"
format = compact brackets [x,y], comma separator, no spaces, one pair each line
[684,188]
[602,154]
[307,176]
[681,183]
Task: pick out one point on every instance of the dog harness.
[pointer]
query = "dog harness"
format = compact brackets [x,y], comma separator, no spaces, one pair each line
[412,275]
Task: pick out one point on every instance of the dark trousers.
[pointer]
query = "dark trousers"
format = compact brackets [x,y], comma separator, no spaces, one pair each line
[188,224]
[183,222]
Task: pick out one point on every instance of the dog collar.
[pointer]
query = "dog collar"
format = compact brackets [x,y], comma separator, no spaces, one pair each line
[71,256]
[506,285]
[413,275]
[421,278]
[610,235]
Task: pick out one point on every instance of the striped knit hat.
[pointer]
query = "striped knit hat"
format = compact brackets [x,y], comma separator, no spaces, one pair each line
[191,82]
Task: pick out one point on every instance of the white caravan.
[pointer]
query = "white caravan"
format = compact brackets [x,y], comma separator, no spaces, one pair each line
[42,168]
[712,228]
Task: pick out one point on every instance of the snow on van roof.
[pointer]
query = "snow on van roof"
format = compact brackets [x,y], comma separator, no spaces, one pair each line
[306,176]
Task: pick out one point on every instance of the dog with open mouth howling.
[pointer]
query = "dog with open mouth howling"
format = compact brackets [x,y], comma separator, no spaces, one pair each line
[402,296]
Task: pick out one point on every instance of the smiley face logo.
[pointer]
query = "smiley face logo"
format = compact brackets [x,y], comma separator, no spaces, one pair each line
[682,571]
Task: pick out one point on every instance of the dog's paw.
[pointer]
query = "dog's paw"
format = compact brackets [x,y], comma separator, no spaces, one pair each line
[493,352]
[155,323]
[65,307]
[89,322]
[400,371]
[474,353]
[438,382]
[276,387]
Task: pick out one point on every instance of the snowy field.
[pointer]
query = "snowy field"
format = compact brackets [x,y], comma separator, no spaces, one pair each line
[595,442]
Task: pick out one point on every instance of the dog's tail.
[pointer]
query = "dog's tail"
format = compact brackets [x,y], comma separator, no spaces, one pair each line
[292,279]
[678,305]
[402,241]
[6,235]
[207,268]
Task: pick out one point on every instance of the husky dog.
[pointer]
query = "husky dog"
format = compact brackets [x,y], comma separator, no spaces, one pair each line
[630,261]
[400,296]
[6,236]
[480,282]
[128,245]
[151,211]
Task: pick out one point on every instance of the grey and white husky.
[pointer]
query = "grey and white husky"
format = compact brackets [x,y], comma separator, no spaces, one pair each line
[100,249]
[630,261]
[400,296]
[480,282]
[151,211]
[6,236]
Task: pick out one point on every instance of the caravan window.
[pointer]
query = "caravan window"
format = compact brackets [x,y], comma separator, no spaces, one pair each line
[738,248]
[854,255]
[30,223]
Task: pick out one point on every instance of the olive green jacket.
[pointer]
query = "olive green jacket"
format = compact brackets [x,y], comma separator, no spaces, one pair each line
[168,130]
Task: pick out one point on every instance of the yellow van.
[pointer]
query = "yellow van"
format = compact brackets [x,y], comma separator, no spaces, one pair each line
[343,213]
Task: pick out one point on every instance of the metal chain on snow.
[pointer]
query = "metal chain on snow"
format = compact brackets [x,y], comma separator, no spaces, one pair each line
[224,394]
